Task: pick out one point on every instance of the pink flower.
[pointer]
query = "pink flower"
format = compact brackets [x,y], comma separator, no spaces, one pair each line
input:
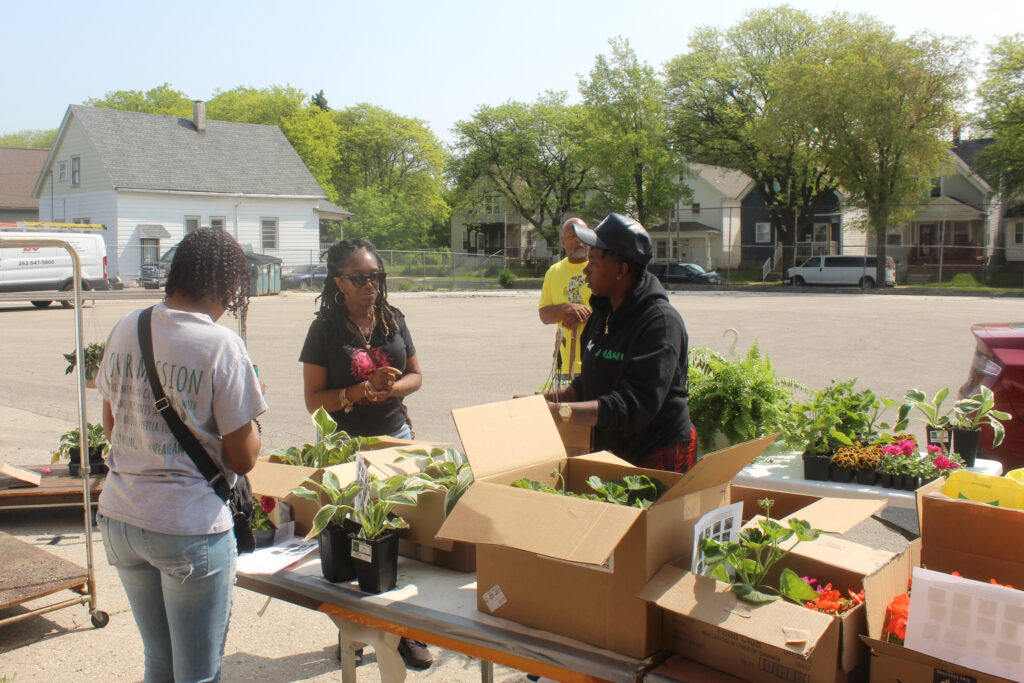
[943,463]
[934,450]
[892,449]
[907,447]
[268,504]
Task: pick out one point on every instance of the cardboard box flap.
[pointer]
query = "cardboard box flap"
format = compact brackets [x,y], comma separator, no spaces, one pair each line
[555,526]
[605,457]
[717,468]
[779,624]
[843,554]
[276,480]
[885,584]
[838,515]
[397,460]
[509,435]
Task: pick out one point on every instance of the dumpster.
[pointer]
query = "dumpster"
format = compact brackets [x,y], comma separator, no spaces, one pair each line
[264,274]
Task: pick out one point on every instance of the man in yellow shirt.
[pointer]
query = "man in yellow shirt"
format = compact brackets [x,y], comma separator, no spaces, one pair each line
[565,300]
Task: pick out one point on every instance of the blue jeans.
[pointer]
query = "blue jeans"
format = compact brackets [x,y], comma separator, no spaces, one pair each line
[403,432]
[180,589]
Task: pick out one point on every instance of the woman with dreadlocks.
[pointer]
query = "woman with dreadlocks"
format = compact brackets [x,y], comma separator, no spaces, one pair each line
[358,359]
[165,530]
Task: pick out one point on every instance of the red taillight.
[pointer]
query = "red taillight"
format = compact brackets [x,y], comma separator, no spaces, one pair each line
[104,267]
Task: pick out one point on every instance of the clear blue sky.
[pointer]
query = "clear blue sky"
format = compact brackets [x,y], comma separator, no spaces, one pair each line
[434,60]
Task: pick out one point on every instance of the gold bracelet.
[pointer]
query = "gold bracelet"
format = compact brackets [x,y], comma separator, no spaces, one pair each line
[346,405]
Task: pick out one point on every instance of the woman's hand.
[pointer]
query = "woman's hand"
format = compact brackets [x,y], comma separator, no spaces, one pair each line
[372,395]
[384,378]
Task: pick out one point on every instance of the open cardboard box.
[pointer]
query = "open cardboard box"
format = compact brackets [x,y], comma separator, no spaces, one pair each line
[425,518]
[706,622]
[276,479]
[568,565]
[893,663]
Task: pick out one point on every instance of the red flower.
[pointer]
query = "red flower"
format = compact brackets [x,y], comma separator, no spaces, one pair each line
[268,504]
[895,629]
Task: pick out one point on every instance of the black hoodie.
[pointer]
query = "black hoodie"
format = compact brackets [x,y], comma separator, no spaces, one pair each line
[635,367]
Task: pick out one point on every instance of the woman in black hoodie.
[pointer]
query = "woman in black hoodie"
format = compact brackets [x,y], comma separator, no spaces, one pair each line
[634,385]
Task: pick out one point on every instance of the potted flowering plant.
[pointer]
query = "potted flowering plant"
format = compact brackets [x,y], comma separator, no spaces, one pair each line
[938,464]
[70,448]
[830,600]
[969,416]
[897,459]
[91,363]
[843,464]
[262,528]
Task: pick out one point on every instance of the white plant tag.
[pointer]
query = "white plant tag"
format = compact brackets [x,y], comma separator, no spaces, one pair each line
[363,479]
[361,550]
[494,598]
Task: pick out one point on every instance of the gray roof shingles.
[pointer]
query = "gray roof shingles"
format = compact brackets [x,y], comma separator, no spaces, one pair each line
[157,152]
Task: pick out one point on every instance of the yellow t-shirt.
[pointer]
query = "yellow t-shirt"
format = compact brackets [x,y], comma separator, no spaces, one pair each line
[564,283]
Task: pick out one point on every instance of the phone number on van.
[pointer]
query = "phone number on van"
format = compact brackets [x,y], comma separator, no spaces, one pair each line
[38,262]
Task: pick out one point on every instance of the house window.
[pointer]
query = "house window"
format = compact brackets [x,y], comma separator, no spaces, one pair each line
[821,232]
[217,222]
[763,233]
[961,234]
[492,204]
[150,249]
[82,221]
[62,172]
[662,249]
[191,224]
[1018,233]
[936,187]
[76,171]
[695,207]
[268,231]
[894,237]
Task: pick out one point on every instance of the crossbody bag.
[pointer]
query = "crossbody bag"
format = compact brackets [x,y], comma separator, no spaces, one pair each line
[239,497]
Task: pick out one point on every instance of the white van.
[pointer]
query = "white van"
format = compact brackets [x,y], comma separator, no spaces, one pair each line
[32,269]
[840,270]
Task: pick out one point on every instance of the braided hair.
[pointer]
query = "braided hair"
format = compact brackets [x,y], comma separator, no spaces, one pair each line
[210,263]
[332,301]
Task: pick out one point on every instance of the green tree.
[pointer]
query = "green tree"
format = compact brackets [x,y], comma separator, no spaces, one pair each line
[530,153]
[635,169]
[29,138]
[389,172]
[270,106]
[320,100]
[162,99]
[1002,114]
[885,108]
[723,97]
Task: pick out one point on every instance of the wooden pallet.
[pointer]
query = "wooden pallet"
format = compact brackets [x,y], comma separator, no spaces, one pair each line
[30,572]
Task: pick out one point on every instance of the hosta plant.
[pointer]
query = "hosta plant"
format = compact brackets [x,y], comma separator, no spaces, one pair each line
[333,447]
[633,491]
[446,469]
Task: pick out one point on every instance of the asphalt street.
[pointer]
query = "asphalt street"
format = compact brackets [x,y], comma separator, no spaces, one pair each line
[474,348]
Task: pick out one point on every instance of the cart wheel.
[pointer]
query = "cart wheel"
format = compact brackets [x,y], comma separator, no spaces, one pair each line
[100,618]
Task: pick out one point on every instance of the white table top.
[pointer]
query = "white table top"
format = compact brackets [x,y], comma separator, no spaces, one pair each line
[785,472]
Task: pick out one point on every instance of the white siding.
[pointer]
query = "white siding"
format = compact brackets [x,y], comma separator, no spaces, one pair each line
[93,179]
[298,223]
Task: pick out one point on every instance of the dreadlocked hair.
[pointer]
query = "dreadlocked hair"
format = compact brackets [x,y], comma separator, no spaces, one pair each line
[332,302]
[210,263]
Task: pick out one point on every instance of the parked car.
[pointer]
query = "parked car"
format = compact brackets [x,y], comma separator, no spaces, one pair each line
[308,276]
[840,270]
[684,274]
[998,363]
[153,274]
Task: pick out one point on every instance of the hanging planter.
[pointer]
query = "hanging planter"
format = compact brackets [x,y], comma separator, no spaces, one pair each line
[376,562]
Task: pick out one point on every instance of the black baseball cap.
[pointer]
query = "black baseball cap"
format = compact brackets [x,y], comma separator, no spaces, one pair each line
[621,234]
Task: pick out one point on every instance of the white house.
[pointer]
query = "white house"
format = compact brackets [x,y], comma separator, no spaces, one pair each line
[151,179]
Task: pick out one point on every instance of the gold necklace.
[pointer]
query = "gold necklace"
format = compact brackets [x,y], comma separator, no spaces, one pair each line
[364,336]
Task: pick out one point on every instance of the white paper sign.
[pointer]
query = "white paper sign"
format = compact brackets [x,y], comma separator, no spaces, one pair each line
[361,550]
[719,525]
[494,598]
[275,558]
[974,624]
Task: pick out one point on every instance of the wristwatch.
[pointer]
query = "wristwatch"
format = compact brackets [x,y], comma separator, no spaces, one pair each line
[565,412]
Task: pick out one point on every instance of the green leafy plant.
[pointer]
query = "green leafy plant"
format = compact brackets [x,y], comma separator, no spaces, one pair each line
[633,491]
[745,564]
[334,446]
[72,439]
[741,399]
[446,469]
[261,513]
[931,411]
[507,279]
[340,499]
[845,457]
[382,498]
[833,417]
[93,355]
[980,409]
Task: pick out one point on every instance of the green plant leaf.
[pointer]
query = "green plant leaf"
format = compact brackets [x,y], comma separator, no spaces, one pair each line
[721,573]
[795,588]
[748,593]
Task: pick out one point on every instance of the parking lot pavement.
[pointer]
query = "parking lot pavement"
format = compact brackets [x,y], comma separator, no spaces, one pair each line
[474,348]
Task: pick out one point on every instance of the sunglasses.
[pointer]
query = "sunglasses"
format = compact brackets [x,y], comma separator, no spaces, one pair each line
[362,279]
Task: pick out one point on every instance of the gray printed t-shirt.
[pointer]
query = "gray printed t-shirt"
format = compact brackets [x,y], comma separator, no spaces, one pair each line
[207,375]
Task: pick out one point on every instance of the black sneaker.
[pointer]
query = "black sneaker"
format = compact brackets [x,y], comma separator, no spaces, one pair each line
[415,654]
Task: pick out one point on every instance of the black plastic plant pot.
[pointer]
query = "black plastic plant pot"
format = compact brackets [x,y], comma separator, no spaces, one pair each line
[939,436]
[816,467]
[910,483]
[376,561]
[264,537]
[866,477]
[840,474]
[965,442]
[336,552]
[97,465]
[885,479]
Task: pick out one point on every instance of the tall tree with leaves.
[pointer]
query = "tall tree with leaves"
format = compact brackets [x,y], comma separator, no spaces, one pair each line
[30,139]
[530,153]
[1002,114]
[163,99]
[885,108]
[723,97]
[628,147]
[389,172]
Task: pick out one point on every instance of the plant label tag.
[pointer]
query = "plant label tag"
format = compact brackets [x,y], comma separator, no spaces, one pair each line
[361,550]
[494,598]
[363,479]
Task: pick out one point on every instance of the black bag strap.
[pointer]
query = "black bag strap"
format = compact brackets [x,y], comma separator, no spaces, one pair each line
[181,432]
